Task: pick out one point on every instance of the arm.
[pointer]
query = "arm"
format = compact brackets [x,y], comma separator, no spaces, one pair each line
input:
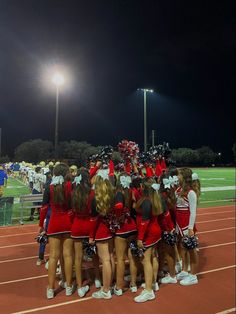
[93,221]
[192,198]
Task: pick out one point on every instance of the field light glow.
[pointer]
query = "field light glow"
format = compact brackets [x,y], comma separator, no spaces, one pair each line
[58,79]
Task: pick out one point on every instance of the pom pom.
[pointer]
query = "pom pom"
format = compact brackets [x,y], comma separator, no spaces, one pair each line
[129,150]
[169,238]
[135,250]
[42,238]
[190,242]
[90,249]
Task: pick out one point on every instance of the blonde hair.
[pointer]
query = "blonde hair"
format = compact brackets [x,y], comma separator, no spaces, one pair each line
[188,182]
[154,196]
[104,195]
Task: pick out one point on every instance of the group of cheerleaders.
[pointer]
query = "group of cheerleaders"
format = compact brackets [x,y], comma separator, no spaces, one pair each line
[144,206]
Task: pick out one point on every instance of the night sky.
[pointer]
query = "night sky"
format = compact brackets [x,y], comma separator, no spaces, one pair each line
[184,50]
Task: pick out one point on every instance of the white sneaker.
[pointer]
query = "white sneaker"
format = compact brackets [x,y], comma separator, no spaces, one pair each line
[178,267]
[46,265]
[117,292]
[133,289]
[40,262]
[50,293]
[169,279]
[98,283]
[145,296]
[62,284]
[189,280]
[155,286]
[70,290]
[82,291]
[182,275]
[102,294]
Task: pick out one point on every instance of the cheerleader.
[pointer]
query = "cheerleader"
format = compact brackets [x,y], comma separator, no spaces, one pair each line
[125,232]
[82,198]
[167,226]
[187,198]
[149,233]
[58,197]
[100,231]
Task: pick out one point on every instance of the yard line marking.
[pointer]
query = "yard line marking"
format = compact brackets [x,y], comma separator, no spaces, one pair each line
[19,226]
[14,245]
[201,222]
[216,245]
[216,201]
[23,279]
[52,306]
[233,309]
[20,259]
[217,269]
[218,188]
[17,234]
[215,230]
[215,207]
[228,211]
[89,298]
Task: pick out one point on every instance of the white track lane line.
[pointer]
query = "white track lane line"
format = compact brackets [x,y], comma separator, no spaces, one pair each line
[19,226]
[214,213]
[201,222]
[215,245]
[15,245]
[20,259]
[233,309]
[23,279]
[17,234]
[215,230]
[89,298]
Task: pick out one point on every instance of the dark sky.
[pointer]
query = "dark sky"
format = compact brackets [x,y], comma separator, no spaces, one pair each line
[184,50]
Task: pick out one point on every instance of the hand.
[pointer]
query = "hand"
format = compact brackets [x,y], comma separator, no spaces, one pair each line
[91,241]
[41,229]
[140,244]
[98,164]
[190,232]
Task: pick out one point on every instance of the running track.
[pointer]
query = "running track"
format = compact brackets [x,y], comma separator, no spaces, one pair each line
[23,284]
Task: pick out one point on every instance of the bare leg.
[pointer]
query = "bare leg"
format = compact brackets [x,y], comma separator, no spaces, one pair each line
[148,269]
[54,253]
[193,261]
[104,255]
[155,264]
[120,247]
[67,254]
[78,245]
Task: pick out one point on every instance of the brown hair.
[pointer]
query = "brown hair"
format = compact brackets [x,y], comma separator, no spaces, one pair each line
[124,191]
[170,193]
[188,184]
[104,195]
[154,196]
[59,195]
[81,191]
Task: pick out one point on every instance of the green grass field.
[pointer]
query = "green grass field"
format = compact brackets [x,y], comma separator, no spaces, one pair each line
[211,178]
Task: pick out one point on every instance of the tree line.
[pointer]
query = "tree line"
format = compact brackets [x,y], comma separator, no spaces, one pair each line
[78,152]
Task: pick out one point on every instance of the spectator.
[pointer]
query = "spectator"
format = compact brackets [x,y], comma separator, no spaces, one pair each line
[3,180]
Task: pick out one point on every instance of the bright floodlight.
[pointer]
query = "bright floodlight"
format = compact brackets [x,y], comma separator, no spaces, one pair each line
[146,90]
[58,79]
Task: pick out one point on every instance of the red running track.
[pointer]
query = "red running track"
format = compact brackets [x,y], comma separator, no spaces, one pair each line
[23,284]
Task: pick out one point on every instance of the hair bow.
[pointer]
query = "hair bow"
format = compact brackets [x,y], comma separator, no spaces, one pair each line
[57,180]
[175,180]
[166,183]
[103,173]
[155,186]
[77,179]
[125,181]
[195,176]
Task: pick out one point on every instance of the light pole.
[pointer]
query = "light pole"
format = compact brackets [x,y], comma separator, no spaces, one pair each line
[58,80]
[145,90]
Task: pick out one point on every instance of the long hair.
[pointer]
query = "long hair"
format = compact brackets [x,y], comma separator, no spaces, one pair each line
[170,200]
[187,183]
[153,195]
[81,191]
[59,195]
[104,195]
[124,191]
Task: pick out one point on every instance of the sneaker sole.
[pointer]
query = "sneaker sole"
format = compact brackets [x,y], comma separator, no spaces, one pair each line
[189,283]
[145,300]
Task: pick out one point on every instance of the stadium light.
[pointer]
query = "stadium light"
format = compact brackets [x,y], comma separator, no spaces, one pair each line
[145,91]
[57,80]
